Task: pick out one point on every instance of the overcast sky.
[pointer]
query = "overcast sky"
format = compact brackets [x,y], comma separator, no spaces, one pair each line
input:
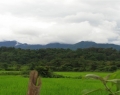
[64,21]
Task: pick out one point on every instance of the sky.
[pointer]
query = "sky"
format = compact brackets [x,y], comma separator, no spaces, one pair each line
[63,21]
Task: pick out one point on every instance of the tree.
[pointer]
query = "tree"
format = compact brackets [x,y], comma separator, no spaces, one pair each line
[5,66]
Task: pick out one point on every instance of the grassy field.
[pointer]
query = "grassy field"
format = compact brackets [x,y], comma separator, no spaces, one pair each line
[17,85]
[10,72]
[82,74]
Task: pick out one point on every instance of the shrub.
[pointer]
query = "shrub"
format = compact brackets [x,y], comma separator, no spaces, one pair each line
[78,77]
[57,76]
[44,71]
[10,73]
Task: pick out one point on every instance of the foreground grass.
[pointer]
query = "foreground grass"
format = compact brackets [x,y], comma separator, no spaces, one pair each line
[13,85]
[69,87]
[17,85]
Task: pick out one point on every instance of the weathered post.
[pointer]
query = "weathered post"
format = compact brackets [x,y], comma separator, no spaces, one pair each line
[34,83]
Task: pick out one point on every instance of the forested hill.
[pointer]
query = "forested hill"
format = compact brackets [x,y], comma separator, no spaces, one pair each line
[83,44]
[89,59]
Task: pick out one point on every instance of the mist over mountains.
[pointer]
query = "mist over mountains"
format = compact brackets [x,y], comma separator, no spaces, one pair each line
[82,44]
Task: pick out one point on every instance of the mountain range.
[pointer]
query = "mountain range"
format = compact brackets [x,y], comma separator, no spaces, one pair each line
[82,44]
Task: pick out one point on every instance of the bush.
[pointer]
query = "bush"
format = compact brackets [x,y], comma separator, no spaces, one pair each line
[57,76]
[10,73]
[79,77]
[44,71]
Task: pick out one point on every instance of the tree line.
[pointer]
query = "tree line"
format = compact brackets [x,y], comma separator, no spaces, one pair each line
[88,59]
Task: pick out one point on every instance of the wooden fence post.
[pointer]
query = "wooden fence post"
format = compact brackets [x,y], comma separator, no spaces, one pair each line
[34,83]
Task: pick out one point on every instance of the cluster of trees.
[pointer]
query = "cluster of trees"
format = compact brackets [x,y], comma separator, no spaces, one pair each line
[89,59]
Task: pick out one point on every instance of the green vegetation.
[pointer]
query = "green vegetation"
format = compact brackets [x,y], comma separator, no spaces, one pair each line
[44,71]
[17,85]
[69,67]
[89,59]
[105,80]
[82,74]
[13,85]
[10,73]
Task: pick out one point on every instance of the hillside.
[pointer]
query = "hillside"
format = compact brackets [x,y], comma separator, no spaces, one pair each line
[82,44]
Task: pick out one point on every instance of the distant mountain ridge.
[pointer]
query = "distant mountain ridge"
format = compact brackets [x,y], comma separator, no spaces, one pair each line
[82,44]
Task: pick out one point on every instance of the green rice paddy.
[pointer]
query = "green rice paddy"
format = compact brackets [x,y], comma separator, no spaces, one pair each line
[17,85]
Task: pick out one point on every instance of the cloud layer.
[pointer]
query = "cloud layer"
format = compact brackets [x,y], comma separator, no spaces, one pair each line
[65,21]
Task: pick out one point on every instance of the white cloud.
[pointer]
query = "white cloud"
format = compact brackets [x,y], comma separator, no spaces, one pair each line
[66,21]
